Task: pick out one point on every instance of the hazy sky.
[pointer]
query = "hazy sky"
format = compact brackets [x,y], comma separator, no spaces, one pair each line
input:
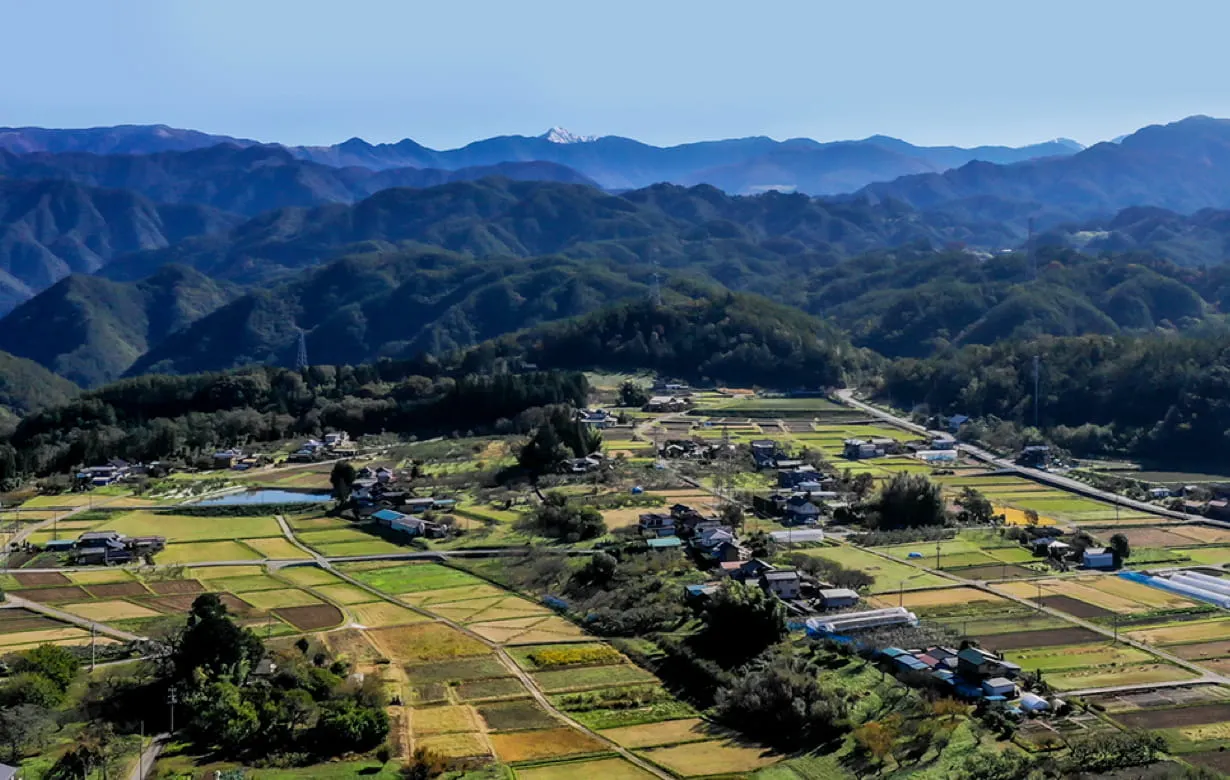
[663,71]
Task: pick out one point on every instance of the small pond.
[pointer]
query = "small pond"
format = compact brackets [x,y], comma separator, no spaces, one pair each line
[264,496]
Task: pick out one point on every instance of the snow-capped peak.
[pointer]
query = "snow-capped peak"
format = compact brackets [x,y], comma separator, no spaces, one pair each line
[558,135]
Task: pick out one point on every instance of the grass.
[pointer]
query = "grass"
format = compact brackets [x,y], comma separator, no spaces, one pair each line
[670,732]
[544,743]
[369,546]
[104,611]
[194,529]
[889,575]
[516,715]
[309,575]
[444,719]
[380,614]
[424,642]
[344,593]
[276,599]
[478,668]
[200,552]
[1183,633]
[697,759]
[1071,657]
[604,768]
[1137,674]
[591,677]
[454,745]
[245,584]
[499,688]
[413,577]
[1207,555]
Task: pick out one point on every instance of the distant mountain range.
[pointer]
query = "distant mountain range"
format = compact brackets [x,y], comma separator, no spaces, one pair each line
[739,166]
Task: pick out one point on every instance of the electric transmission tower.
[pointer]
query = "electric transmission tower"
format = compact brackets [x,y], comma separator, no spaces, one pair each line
[301,360]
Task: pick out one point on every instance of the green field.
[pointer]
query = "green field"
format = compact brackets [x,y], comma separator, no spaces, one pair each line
[889,575]
[591,677]
[177,528]
[1072,657]
[414,577]
[200,552]
[370,546]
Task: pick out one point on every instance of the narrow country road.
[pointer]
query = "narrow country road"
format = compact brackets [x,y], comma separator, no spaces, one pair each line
[67,617]
[145,762]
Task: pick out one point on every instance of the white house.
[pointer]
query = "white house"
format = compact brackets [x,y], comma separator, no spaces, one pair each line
[784,584]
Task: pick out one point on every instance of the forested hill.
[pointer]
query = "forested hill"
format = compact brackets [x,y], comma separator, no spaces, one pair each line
[740,339]
[1183,166]
[250,180]
[672,225]
[25,387]
[1164,396]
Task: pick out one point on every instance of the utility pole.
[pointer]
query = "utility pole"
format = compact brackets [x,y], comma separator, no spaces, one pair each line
[141,754]
[93,645]
[172,699]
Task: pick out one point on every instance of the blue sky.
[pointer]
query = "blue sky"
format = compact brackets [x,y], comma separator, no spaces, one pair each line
[667,71]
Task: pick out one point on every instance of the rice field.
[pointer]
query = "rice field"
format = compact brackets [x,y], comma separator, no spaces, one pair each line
[179,528]
[105,611]
[379,614]
[939,597]
[346,594]
[412,577]
[201,552]
[889,575]
[604,768]
[425,642]
[275,547]
[1135,674]
[697,759]
[277,599]
[1183,633]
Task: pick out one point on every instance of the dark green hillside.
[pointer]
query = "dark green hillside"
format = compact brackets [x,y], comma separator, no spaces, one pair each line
[25,386]
[91,329]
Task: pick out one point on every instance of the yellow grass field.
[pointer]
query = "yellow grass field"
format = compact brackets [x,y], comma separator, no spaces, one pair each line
[423,642]
[276,599]
[1206,631]
[80,641]
[1205,733]
[544,743]
[177,528]
[671,732]
[51,635]
[940,597]
[528,631]
[1073,588]
[445,719]
[601,769]
[197,552]
[455,745]
[425,598]
[345,593]
[221,572]
[99,577]
[275,547]
[1203,533]
[1142,594]
[381,614]
[623,518]
[309,576]
[1014,516]
[102,611]
[710,758]
[1134,674]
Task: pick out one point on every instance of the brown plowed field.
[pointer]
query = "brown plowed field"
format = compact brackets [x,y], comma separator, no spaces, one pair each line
[118,590]
[176,587]
[1217,649]
[312,617]
[1050,637]
[1175,718]
[41,579]
[51,595]
[1076,607]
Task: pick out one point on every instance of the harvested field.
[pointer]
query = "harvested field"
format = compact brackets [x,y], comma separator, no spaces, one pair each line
[1182,633]
[275,547]
[1136,674]
[99,576]
[516,715]
[670,732]
[547,743]
[1075,589]
[603,768]
[479,668]
[454,745]
[1142,594]
[1175,717]
[278,599]
[345,593]
[309,576]
[591,677]
[199,552]
[1205,534]
[175,587]
[445,595]
[352,644]
[500,688]
[939,597]
[1074,607]
[310,618]
[48,636]
[103,611]
[999,571]
[446,719]
[40,579]
[697,759]
[1146,537]
[118,590]
[1045,638]
[378,614]
[425,642]
[53,595]
[1201,650]
[176,605]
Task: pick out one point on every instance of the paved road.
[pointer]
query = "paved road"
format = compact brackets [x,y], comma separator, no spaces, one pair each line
[1066,483]
[145,763]
[101,628]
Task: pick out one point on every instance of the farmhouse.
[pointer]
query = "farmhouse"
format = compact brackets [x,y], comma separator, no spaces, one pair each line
[790,478]
[857,449]
[336,439]
[974,662]
[838,598]
[225,459]
[666,403]
[596,418]
[784,584]
[657,524]
[1098,558]
[799,510]
[109,473]
[665,544]
[999,686]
